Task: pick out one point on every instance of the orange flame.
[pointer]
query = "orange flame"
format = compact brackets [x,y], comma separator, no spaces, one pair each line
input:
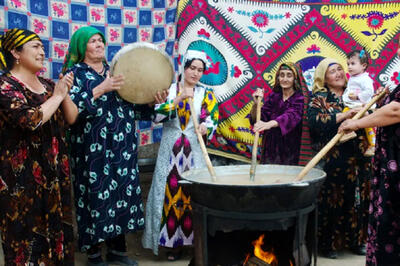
[268,257]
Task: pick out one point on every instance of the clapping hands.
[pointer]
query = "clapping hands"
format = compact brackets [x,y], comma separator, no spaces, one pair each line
[64,84]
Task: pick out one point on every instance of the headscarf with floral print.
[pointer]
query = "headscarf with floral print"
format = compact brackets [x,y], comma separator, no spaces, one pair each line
[13,39]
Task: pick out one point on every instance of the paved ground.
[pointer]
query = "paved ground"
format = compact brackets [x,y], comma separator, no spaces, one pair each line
[146,257]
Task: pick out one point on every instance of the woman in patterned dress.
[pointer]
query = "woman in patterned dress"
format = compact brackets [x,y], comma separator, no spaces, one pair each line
[35,186]
[168,210]
[103,152]
[344,197]
[383,243]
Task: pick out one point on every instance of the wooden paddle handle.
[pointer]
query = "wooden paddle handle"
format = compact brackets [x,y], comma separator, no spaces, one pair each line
[335,139]
[201,141]
[255,143]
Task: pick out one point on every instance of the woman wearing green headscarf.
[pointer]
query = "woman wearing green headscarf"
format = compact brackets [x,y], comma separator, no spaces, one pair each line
[103,152]
[344,197]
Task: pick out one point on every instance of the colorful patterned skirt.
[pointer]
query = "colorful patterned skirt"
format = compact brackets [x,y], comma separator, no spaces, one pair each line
[176,223]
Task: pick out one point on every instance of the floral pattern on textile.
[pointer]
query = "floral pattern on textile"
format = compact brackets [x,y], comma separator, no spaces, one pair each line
[251,39]
[344,196]
[35,186]
[384,220]
[104,161]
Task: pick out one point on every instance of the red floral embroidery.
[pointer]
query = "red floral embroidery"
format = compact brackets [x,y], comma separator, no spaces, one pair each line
[53,151]
[20,258]
[19,158]
[37,173]
[60,245]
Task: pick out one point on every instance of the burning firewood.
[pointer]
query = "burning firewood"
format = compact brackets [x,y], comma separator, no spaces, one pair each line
[254,261]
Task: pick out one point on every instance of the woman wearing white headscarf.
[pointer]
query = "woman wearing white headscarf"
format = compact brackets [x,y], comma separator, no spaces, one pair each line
[343,199]
[168,220]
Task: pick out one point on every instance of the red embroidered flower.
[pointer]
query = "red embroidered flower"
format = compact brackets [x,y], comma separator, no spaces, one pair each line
[18,159]
[65,165]
[313,49]
[375,21]
[37,173]
[260,20]
[20,258]
[396,78]
[59,245]
[53,151]
[144,138]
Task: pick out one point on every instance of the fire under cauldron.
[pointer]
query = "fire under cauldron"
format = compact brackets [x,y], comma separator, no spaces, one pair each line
[271,202]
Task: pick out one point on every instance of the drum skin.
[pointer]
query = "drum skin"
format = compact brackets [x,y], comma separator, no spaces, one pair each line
[146,70]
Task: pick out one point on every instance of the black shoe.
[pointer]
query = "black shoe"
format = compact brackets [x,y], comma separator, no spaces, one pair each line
[192,263]
[359,250]
[330,254]
[95,260]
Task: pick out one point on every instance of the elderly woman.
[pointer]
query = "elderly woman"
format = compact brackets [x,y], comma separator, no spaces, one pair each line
[343,199]
[103,152]
[35,186]
[168,210]
[384,220]
[281,116]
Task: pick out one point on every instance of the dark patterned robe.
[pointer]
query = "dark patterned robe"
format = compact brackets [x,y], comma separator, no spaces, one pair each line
[281,145]
[35,186]
[344,197]
[384,221]
[104,160]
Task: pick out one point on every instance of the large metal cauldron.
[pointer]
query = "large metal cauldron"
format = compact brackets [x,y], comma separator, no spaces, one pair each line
[257,198]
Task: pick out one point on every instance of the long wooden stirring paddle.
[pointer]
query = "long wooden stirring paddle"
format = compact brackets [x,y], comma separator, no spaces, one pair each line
[201,141]
[255,144]
[335,139]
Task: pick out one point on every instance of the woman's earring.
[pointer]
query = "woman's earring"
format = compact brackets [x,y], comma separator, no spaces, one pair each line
[17,61]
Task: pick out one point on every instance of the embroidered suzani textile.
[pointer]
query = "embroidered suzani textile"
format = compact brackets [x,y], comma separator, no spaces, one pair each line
[246,41]
[121,21]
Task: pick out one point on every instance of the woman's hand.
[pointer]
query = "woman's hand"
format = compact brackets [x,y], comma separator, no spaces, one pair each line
[160,97]
[109,84]
[348,126]
[379,90]
[202,129]
[112,83]
[261,125]
[352,112]
[258,93]
[186,92]
[63,85]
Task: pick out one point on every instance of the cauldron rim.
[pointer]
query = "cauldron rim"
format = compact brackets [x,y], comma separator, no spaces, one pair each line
[186,176]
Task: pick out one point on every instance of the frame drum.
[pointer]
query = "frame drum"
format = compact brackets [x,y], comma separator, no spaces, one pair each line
[146,70]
